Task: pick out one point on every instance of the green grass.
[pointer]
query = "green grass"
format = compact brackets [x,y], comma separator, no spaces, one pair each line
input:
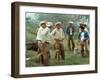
[70,58]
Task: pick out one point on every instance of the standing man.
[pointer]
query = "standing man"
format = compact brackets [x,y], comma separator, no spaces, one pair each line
[83,37]
[84,24]
[49,29]
[70,32]
[58,34]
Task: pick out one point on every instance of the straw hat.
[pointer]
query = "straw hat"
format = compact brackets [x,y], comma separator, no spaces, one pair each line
[57,23]
[85,23]
[81,22]
[49,24]
[71,22]
[42,22]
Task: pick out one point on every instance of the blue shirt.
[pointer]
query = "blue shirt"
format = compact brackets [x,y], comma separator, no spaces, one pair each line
[86,35]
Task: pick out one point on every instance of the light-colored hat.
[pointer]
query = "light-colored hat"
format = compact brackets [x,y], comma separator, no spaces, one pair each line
[57,23]
[42,22]
[71,22]
[85,23]
[81,22]
[49,24]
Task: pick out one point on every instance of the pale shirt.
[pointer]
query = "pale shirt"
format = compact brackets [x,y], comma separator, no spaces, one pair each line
[70,31]
[57,33]
[82,36]
[86,30]
[43,34]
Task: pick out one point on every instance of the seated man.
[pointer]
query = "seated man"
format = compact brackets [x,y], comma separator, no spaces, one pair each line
[42,42]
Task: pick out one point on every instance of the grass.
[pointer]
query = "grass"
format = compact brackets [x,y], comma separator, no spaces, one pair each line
[70,58]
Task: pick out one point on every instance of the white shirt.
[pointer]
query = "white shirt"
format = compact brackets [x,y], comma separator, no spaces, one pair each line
[43,34]
[57,33]
[82,36]
[70,31]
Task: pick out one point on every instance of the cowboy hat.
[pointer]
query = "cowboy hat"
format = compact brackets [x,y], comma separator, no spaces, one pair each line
[71,22]
[57,23]
[49,24]
[42,22]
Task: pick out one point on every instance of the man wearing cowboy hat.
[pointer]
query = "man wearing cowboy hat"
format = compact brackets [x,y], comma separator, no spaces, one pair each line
[43,31]
[49,29]
[70,32]
[42,38]
[58,31]
[58,34]
[83,37]
[83,24]
[49,24]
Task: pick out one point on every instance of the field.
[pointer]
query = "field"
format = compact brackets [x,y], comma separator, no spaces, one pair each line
[70,58]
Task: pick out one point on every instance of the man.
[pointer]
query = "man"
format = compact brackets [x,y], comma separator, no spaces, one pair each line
[58,34]
[42,42]
[83,37]
[82,24]
[70,32]
[49,29]
[41,32]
